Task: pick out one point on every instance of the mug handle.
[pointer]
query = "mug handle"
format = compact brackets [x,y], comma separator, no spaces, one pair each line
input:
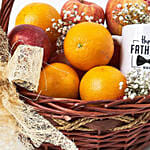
[117,38]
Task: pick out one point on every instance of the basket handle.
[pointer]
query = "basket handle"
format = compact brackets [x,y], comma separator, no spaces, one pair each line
[5,11]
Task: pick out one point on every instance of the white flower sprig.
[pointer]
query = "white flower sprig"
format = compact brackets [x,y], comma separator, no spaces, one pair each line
[62,27]
[138,83]
[76,17]
[131,14]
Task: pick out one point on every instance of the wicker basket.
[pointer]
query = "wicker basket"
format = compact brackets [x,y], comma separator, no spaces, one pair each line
[116,125]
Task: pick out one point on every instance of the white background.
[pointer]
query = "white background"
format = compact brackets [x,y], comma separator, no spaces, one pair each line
[19,4]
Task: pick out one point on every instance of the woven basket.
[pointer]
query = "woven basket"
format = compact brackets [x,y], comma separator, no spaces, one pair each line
[114,125]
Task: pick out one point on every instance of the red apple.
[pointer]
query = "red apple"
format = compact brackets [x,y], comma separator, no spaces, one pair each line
[113,26]
[62,59]
[78,11]
[59,58]
[148,1]
[30,35]
[115,60]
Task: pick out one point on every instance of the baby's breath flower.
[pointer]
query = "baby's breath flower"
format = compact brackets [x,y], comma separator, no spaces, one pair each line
[83,13]
[132,14]
[114,17]
[119,6]
[70,22]
[138,84]
[56,28]
[125,11]
[72,15]
[127,17]
[65,28]
[125,97]
[91,17]
[121,18]
[87,17]
[64,11]
[75,6]
[68,12]
[121,85]
[135,21]
[126,22]
[120,13]
[65,16]
[53,19]
[135,14]
[74,19]
[132,95]
[78,18]
[75,12]
[47,29]
[60,21]
[127,89]
[143,5]
[59,30]
[54,24]
[100,20]
[61,27]
[113,11]
[126,5]
[132,8]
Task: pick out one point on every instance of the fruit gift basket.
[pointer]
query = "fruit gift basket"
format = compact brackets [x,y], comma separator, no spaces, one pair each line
[83,102]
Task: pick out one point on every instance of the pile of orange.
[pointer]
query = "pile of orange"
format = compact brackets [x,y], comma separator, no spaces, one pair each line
[88,47]
[41,15]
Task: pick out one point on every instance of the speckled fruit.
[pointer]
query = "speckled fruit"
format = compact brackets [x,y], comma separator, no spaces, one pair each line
[80,11]
[113,26]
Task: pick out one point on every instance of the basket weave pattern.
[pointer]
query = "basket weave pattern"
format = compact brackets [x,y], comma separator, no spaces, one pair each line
[121,124]
[116,125]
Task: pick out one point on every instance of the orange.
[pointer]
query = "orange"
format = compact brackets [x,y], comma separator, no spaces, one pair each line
[59,80]
[88,45]
[39,14]
[102,83]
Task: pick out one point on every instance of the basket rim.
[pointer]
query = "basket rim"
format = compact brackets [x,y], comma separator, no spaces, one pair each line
[99,108]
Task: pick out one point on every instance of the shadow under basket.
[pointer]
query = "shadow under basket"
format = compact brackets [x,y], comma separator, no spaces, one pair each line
[96,125]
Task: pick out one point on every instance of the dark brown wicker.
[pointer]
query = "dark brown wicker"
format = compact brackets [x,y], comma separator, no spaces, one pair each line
[106,125]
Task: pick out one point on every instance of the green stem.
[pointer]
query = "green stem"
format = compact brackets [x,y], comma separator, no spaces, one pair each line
[80,45]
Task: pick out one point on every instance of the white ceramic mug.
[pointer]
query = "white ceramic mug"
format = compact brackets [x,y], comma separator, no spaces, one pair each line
[135,47]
